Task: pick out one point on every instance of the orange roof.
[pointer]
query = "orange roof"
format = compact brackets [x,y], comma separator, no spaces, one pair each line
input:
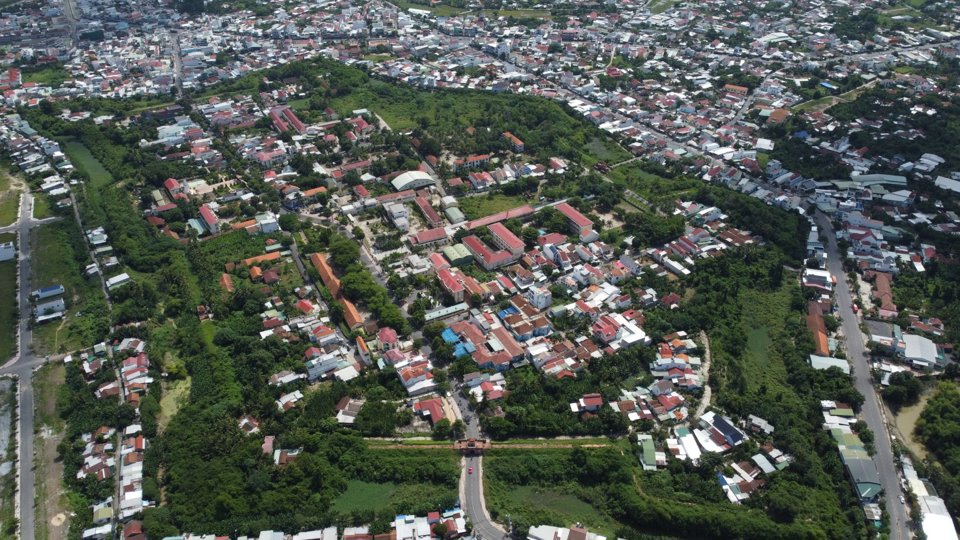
[351,315]
[226,281]
[818,328]
[256,273]
[243,224]
[330,280]
[314,191]
[261,258]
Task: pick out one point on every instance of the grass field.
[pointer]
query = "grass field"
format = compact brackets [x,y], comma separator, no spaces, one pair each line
[8,308]
[175,394]
[9,200]
[484,205]
[299,104]
[532,504]
[81,158]
[54,262]
[650,186]
[48,76]
[659,6]
[41,207]
[376,58]
[604,151]
[361,496]
[758,344]
[439,10]
[520,13]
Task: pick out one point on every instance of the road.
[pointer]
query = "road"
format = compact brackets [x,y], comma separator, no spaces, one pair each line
[21,367]
[471,484]
[174,37]
[870,412]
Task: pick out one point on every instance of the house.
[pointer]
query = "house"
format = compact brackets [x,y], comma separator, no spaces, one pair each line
[514,142]
[547,532]
[577,222]
[7,251]
[922,352]
[210,219]
[388,339]
[431,409]
[590,403]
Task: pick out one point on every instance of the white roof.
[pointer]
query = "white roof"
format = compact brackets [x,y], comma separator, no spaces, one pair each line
[936,523]
[411,179]
[920,348]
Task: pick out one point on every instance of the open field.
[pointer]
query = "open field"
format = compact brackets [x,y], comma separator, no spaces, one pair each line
[906,420]
[9,198]
[55,261]
[484,205]
[82,159]
[175,395]
[51,513]
[46,76]
[659,6]
[440,10]
[602,151]
[361,496]
[538,502]
[824,103]
[8,308]
[520,13]
[41,207]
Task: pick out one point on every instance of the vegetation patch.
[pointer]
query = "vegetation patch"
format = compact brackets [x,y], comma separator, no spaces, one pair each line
[41,207]
[9,199]
[364,496]
[8,308]
[59,257]
[52,75]
[485,205]
[82,159]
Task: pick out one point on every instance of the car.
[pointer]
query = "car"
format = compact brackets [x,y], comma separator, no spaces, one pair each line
[902,500]
[470,471]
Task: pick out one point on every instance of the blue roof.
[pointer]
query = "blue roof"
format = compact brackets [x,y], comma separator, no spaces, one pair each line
[464,349]
[52,288]
[508,311]
[802,135]
[450,336]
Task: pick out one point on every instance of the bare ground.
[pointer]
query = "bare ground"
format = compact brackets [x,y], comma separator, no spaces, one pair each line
[52,521]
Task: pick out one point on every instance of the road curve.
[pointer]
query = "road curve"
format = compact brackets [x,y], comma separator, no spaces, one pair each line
[471,483]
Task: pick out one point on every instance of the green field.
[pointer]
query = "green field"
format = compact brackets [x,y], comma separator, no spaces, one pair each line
[521,13]
[361,496]
[758,345]
[603,150]
[55,261]
[484,205]
[533,503]
[651,186]
[8,308]
[377,58]
[9,200]
[83,160]
[659,6]
[439,10]
[41,207]
[47,76]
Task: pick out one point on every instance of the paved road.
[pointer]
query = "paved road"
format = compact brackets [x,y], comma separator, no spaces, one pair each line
[22,367]
[471,484]
[889,476]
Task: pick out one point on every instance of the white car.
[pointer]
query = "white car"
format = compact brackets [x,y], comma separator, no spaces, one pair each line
[902,500]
